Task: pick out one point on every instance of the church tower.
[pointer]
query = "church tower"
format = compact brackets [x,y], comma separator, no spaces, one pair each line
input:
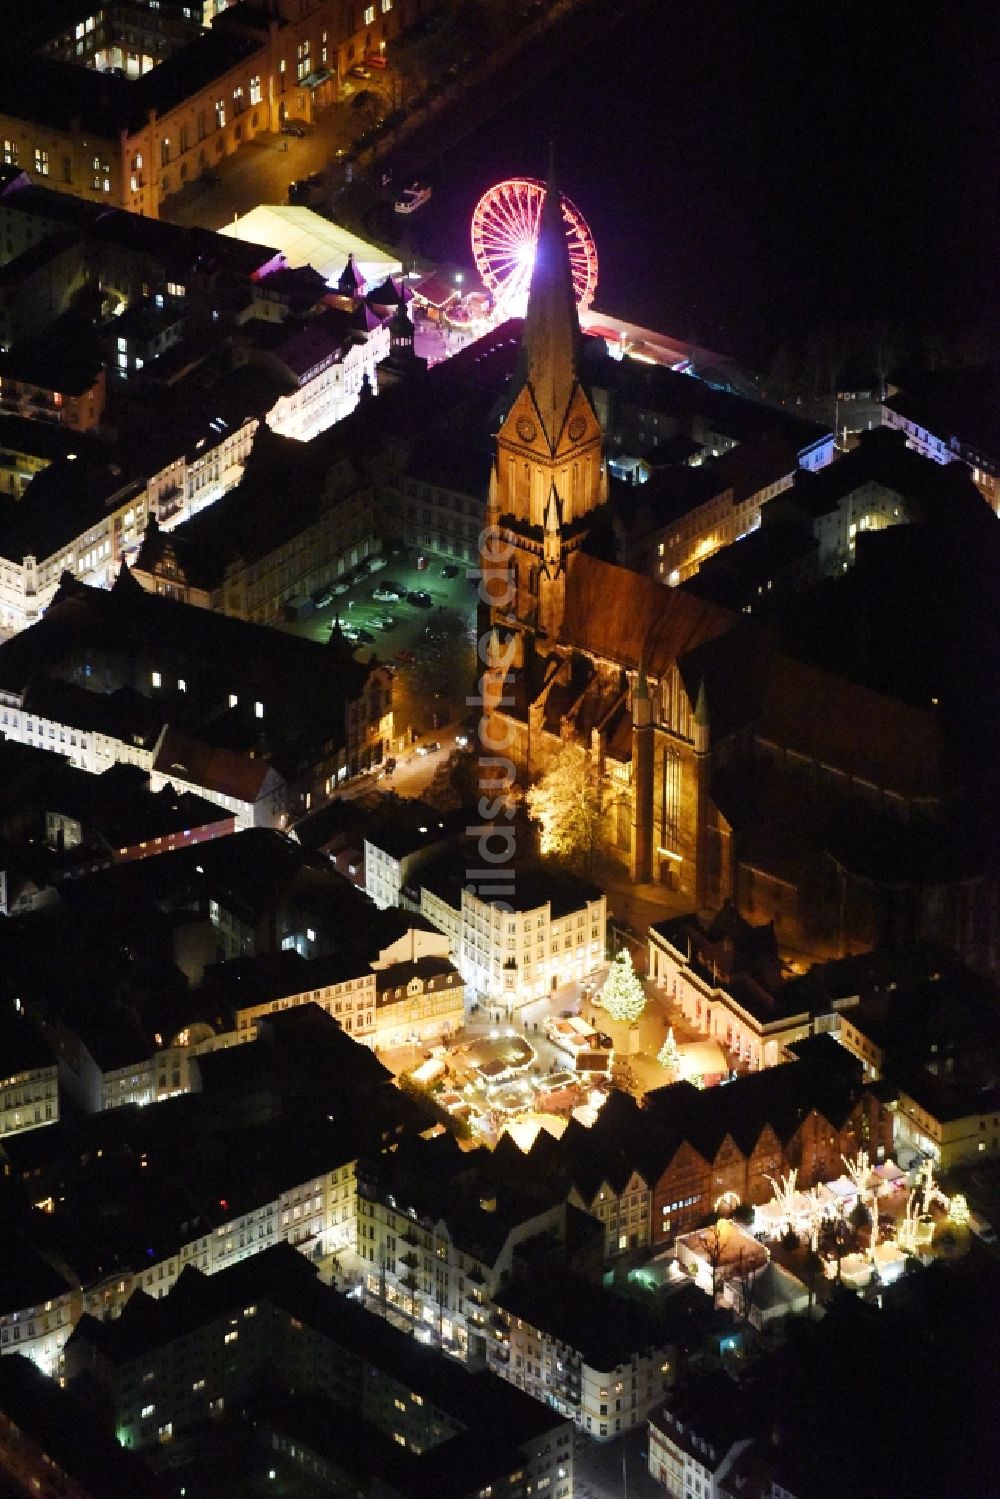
[550,473]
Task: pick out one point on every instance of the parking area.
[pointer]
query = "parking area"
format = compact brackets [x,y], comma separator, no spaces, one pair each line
[395,629]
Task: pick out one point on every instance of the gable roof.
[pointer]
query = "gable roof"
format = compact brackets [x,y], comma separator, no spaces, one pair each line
[618,615]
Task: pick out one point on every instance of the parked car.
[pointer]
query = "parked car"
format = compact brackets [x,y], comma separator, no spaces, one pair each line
[449,570]
[360,71]
[387,621]
[292,127]
[375,564]
[339,585]
[366,636]
[387,595]
[462,740]
[322,596]
[429,749]
[307,189]
[420,600]
[604,1041]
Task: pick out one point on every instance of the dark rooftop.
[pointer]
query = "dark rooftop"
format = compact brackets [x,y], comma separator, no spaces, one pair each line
[606,1329]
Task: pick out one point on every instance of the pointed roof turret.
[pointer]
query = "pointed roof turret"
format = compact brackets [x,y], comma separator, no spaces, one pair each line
[642,708]
[351,282]
[551,338]
[701,706]
[641,685]
[552,509]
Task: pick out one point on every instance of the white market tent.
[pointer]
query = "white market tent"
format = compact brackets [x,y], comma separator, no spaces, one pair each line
[702,1059]
[307,238]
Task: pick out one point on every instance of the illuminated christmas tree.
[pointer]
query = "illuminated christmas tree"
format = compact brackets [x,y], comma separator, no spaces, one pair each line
[623,996]
[668,1055]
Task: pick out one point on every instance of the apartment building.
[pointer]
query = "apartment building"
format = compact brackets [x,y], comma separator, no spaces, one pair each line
[179,1202]
[215,1342]
[438,1236]
[594,1357]
[29,1075]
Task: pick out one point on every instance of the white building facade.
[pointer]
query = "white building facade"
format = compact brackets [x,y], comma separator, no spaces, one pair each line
[512,958]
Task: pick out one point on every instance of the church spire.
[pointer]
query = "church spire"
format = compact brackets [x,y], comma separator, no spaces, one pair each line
[550,343]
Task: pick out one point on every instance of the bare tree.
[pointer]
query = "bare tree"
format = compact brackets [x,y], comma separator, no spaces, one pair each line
[747,1270]
[712,1240]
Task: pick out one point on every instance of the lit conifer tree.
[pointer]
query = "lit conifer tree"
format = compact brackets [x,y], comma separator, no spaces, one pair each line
[623,996]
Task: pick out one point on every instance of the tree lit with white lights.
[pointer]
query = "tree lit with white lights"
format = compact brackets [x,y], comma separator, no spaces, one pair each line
[623,995]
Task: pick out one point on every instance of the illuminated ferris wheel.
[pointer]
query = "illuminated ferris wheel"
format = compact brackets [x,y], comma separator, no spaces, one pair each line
[504,231]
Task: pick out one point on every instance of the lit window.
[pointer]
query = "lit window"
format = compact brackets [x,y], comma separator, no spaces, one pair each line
[41,161]
[233,700]
[231,1336]
[181,685]
[10,153]
[148,1410]
[220,114]
[369,14]
[255,94]
[157,679]
[258,709]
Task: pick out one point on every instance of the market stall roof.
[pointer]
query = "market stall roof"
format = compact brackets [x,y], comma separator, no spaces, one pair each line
[307,238]
[525,1130]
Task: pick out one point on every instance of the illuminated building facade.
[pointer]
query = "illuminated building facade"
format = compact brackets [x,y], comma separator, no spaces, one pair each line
[125,110]
[439,1237]
[590,1355]
[29,1083]
[548,932]
[271,1319]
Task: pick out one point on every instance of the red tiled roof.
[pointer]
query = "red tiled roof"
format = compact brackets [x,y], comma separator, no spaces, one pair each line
[182,758]
[615,614]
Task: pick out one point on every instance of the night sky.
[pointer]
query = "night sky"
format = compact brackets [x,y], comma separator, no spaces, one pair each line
[755,169]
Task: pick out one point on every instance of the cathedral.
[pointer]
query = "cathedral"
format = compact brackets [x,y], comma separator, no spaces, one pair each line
[582,649]
[730,769]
